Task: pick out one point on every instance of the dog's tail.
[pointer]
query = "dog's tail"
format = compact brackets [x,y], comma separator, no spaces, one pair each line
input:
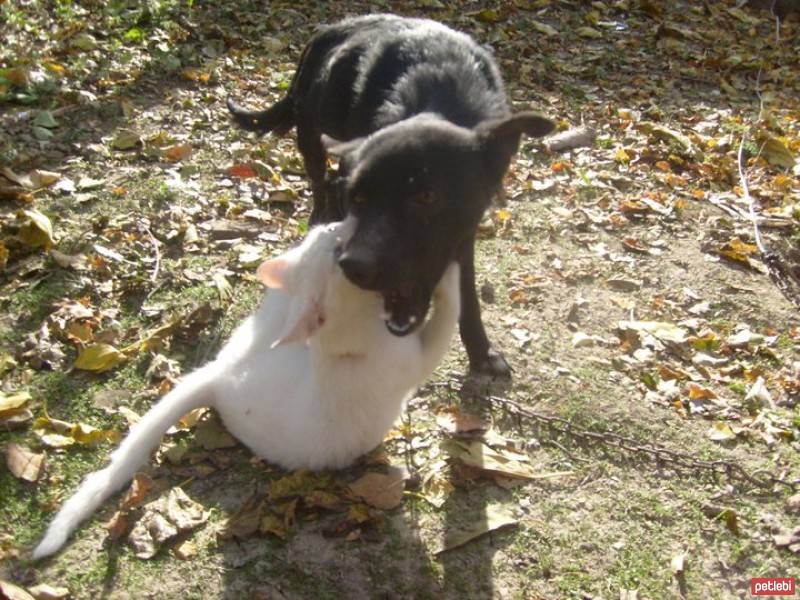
[278,118]
[192,392]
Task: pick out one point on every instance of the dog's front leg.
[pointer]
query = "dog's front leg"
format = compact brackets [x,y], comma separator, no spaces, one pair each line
[482,357]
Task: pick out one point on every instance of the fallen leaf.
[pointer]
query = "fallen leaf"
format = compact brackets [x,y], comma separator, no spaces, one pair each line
[99,358]
[242,170]
[45,119]
[211,435]
[125,139]
[297,484]
[666,332]
[12,403]
[589,33]
[436,486]
[494,518]
[163,520]
[544,28]
[36,229]
[140,487]
[452,419]
[177,152]
[698,392]
[724,514]
[497,461]
[384,491]
[487,15]
[9,591]
[24,463]
[743,338]
[60,434]
[246,521]
[776,153]
[185,550]
[720,432]
[759,395]
[48,592]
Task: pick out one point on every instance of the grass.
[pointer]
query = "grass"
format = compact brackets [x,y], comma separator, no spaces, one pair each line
[614,524]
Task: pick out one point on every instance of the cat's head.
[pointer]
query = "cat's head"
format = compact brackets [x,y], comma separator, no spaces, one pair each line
[304,273]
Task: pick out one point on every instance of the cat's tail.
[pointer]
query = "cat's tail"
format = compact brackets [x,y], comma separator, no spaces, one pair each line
[194,391]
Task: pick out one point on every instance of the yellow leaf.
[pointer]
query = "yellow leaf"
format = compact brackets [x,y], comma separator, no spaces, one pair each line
[698,392]
[99,358]
[776,153]
[621,156]
[488,15]
[36,230]
[503,215]
[721,432]
[13,402]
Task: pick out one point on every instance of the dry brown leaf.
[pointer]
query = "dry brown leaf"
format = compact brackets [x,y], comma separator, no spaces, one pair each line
[163,520]
[494,518]
[452,419]
[140,487]
[384,491]
[24,463]
[177,152]
[246,521]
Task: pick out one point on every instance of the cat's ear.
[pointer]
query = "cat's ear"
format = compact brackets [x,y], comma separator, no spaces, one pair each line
[303,325]
[272,273]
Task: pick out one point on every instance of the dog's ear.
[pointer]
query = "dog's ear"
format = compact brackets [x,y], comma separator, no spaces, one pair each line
[302,324]
[273,272]
[339,148]
[499,138]
[511,127]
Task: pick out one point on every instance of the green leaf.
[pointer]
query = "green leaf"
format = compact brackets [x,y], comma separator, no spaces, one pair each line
[45,119]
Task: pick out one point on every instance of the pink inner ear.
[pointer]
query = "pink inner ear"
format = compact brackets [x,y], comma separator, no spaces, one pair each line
[272,273]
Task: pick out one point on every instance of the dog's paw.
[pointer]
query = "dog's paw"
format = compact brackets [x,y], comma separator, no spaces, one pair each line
[493,364]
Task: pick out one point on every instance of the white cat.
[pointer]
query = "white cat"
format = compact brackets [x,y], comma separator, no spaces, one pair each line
[312,380]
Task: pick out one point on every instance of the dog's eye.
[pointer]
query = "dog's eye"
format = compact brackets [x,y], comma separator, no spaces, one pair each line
[359,199]
[424,197]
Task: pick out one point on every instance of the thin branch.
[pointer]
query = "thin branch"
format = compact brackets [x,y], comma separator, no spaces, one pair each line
[155,242]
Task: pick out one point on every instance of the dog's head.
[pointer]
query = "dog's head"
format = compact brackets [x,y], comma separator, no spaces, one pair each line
[418,189]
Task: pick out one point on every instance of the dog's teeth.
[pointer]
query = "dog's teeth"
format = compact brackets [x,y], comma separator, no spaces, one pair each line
[412,320]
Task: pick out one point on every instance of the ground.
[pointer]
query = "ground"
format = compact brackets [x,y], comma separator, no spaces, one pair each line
[621,278]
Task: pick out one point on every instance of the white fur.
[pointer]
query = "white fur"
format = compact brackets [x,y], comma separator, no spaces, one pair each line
[312,380]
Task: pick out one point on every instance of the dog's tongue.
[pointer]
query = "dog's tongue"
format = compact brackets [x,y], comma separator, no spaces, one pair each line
[400,318]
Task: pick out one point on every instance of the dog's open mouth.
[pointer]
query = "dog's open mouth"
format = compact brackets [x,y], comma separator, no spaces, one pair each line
[402,310]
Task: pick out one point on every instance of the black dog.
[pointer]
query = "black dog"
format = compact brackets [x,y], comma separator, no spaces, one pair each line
[417,115]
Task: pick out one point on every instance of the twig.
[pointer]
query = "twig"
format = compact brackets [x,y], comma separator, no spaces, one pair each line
[777,21]
[154,241]
[658,454]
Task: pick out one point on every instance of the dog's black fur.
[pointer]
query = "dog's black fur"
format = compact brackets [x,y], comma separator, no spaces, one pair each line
[417,115]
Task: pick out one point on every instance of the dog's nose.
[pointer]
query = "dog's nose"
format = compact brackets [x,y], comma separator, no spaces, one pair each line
[358,268]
